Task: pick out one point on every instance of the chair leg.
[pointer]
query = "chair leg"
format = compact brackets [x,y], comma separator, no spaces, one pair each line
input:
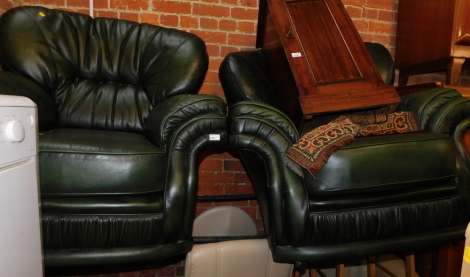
[410,265]
[371,267]
[453,70]
[340,270]
[312,273]
[299,269]
[403,78]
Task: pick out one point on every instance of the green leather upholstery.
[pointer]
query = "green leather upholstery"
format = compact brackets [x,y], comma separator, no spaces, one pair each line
[121,132]
[383,60]
[381,194]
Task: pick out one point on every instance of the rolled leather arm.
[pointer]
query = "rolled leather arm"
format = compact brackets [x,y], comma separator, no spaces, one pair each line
[184,152]
[427,102]
[264,130]
[442,110]
[169,115]
[267,114]
[185,126]
[14,84]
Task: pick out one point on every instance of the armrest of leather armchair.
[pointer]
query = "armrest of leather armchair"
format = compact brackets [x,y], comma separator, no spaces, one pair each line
[427,103]
[442,110]
[185,126]
[15,84]
[256,127]
[168,116]
[267,114]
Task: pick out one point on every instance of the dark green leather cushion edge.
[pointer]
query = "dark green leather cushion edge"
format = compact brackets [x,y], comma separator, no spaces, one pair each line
[383,163]
[94,162]
[111,204]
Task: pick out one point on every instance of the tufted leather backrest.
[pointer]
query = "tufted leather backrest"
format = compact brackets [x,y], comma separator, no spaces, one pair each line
[383,60]
[244,76]
[103,73]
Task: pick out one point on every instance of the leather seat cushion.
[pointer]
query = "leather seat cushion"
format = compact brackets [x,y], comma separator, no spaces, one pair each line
[82,162]
[386,163]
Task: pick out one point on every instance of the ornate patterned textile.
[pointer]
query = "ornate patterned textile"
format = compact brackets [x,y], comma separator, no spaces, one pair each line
[384,124]
[314,149]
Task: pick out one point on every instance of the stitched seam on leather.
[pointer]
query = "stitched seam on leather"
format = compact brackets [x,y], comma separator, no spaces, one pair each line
[138,109]
[124,42]
[74,30]
[107,215]
[106,53]
[203,68]
[385,205]
[61,194]
[149,41]
[141,64]
[44,37]
[102,153]
[352,146]
[89,33]
[113,107]
[389,184]
[200,72]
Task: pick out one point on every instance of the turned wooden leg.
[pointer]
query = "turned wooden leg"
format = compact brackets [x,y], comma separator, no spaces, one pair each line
[403,78]
[410,265]
[453,70]
[466,140]
[340,270]
[371,267]
[313,273]
[450,259]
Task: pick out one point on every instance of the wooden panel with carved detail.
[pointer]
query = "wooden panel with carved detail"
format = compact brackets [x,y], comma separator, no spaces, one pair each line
[319,63]
[328,64]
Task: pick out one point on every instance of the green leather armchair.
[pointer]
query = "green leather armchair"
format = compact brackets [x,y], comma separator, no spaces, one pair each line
[379,194]
[122,130]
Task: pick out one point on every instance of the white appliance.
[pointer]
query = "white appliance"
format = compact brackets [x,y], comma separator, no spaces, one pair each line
[20,231]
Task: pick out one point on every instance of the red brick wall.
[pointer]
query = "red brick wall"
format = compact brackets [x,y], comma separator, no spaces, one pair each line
[375,20]
[226,26]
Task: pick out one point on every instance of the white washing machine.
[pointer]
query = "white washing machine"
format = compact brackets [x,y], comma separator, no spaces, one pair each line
[20,229]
